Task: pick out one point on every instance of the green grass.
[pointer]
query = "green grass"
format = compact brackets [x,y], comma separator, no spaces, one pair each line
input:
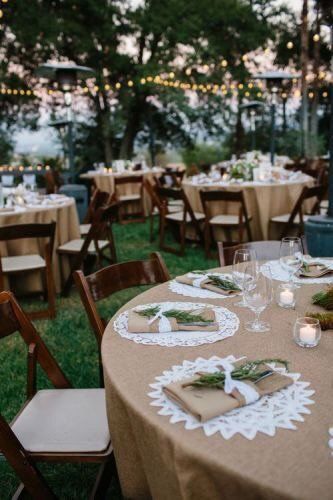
[73,345]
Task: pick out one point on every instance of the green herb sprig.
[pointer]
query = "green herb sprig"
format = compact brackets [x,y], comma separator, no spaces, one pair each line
[180,316]
[251,370]
[220,283]
[324,298]
[325,319]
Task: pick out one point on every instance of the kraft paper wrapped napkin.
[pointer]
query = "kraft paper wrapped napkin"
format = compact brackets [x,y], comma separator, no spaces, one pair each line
[202,281]
[314,270]
[141,324]
[205,403]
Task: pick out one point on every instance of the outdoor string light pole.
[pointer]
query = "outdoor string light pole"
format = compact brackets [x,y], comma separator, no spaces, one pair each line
[274,81]
[65,77]
[252,107]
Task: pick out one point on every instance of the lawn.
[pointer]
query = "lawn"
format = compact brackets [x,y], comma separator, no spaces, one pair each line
[73,345]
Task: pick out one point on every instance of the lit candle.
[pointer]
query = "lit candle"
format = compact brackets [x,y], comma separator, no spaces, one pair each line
[307,334]
[287,297]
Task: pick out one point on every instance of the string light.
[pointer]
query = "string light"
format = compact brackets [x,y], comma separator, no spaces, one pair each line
[316,37]
[224,63]
[188,71]
[290,45]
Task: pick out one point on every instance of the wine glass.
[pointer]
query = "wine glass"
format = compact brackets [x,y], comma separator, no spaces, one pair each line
[291,256]
[243,257]
[257,293]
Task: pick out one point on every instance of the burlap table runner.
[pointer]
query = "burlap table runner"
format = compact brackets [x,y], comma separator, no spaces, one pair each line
[160,460]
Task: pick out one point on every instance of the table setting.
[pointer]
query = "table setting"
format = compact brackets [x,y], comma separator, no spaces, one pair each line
[22,197]
[217,379]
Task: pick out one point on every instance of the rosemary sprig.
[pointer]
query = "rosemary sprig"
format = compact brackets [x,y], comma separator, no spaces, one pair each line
[305,267]
[180,316]
[247,371]
[223,284]
[325,319]
[324,298]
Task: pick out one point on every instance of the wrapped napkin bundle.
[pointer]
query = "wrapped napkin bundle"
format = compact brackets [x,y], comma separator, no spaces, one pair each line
[314,270]
[209,281]
[157,320]
[210,400]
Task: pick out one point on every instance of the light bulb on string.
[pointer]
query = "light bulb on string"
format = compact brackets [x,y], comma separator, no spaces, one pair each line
[290,45]
[316,37]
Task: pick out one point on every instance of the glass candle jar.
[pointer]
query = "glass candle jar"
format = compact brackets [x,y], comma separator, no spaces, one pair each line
[307,332]
[286,295]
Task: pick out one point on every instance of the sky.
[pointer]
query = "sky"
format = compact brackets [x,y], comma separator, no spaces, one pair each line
[44,141]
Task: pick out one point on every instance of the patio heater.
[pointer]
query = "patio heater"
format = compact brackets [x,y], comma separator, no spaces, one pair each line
[319,228]
[65,76]
[274,82]
[252,107]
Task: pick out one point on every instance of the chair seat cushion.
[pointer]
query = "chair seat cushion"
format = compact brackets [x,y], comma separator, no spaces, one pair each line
[129,197]
[225,220]
[22,263]
[74,246]
[178,216]
[64,421]
[283,219]
[176,203]
[84,229]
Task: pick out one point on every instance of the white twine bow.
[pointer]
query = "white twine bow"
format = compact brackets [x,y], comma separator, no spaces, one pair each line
[164,325]
[249,393]
[198,279]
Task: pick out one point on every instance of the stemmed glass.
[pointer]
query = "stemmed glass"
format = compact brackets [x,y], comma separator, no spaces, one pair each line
[291,256]
[243,257]
[257,293]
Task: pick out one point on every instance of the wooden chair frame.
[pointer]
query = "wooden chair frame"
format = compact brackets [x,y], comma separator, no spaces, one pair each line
[176,194]
[23,462]
[155,203]
[211,196]
[112,279]
[176,179]
[29,231]
[98,199]
[307,193]
[101,226]
[135,216]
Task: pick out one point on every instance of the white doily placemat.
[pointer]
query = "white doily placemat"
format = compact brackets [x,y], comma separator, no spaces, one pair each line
[228,324]
[279,274]
[201,293]
[278,410]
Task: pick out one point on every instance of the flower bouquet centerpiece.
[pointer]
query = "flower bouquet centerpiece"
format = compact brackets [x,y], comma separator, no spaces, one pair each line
[242,170]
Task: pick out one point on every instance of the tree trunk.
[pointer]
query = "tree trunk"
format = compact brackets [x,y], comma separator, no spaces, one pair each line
[315,100]
[304,84]
[239,136]
[132,127]
[103,118]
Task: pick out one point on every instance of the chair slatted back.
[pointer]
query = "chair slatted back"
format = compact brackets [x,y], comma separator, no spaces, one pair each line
[99,199]
[307,193]
[265,250]
[25,231]
[14,319]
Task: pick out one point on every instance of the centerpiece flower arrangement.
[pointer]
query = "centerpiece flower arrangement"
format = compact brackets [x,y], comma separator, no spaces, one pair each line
[242,170]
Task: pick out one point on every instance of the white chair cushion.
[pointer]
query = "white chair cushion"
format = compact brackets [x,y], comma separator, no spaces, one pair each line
[74,246]
[129,197]
[84,229]
[225,220]
[178,216]
[283,219]
[178,203]
[64,421]
[22,263]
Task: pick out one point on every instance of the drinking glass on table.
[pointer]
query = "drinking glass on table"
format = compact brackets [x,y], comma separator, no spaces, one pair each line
[291,256]
[257,293]
[243,257]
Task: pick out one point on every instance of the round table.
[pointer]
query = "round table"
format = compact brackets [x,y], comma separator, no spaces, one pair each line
[105,182]
[160,460]
[263,201]
[68,228]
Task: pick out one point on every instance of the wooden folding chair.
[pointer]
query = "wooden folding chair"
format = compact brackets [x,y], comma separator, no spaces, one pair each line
[265,250]
[22,264]
[135,198]
[92,246]
[298,215]
[225,221]
[115,278]
[170,178]
[62,425]
[98,199]
[182,218]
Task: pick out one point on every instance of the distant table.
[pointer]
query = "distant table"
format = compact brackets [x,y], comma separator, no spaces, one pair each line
[263,200]
[64,214]
[105,181]
[160,460]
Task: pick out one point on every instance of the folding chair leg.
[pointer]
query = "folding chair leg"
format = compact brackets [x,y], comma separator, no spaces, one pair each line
[106,473]
[182,229]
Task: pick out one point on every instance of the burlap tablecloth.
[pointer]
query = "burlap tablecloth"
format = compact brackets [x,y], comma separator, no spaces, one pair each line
[263,201]
[156,459]
[105,182]
[68,228]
